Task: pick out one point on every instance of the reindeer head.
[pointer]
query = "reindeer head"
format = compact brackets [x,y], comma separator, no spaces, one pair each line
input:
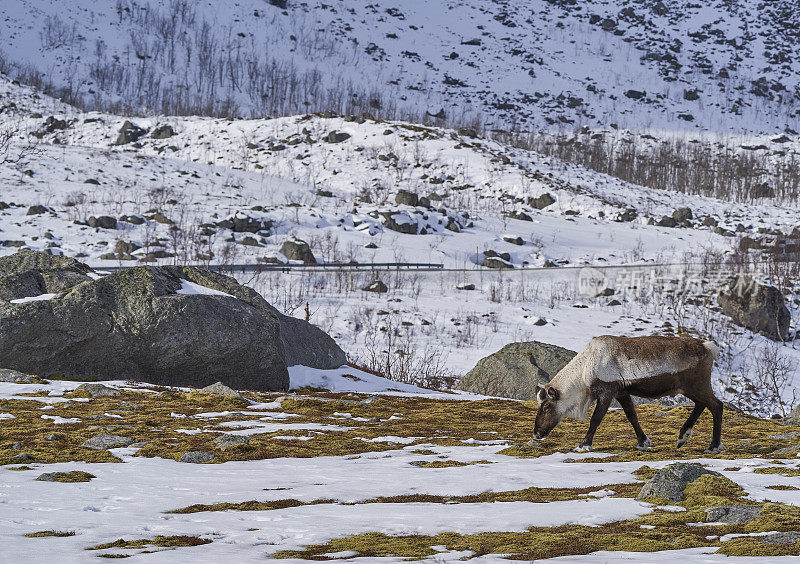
[549,414]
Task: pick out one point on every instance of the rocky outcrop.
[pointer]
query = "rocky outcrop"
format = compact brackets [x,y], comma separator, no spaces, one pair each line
[166,325]
[128,133]
[757,307]
[516,369]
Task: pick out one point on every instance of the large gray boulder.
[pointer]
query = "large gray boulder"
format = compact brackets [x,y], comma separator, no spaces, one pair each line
[733,513]
[670,481]
[140,324]
[516,369]
[29,273]
[298,250]
[757,307]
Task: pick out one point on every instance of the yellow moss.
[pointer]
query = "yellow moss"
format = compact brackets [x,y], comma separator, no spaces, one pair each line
[72,476]
[790,472]
[753,546]
[39,534]
[171,541]
[709,490]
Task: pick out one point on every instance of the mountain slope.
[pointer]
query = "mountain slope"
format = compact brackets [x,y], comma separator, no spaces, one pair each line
[664,65]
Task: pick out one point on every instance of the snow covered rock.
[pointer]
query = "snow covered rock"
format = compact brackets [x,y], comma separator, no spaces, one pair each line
[164,325]
[128,133]
[515,370]
[757,307]
[670,481]
[376,286]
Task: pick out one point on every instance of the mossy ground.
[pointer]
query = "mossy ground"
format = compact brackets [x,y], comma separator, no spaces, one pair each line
[154,418]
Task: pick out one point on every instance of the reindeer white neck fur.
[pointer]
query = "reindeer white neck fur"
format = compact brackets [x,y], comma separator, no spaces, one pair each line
[608,359]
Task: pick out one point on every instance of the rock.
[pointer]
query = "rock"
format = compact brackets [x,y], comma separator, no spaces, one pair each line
[36,210]
[709,221]
[667,221]
[103,222]
[23,457]
[105,442]
[376,286]
[250,241]
[496,263]
[132,219]
[126,248]
[515,370]
[520,215]
[635,94]
[55,437]
[98,390]
[681,215]
[466,287]
[733,513]
[298,250]
[197,457]
[626,216]
[226,441]
[794,416]
[134,322]
[400,222]
[162,132]
[670,481]
[250,225]
[128,133]
[336,137]
[220,389]
[757,307]
[30,273]
[789,537]
[46,477]
[161,218]
[407,198]
[514,240]
[14,377]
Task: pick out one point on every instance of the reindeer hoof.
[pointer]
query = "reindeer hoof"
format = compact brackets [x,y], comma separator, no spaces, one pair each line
[685,438]
[714,449]
[645,445]
[582,448]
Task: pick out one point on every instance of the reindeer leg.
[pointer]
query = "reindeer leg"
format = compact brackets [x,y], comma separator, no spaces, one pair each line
[643,443]
[686,430]
[603,403]
[716,411]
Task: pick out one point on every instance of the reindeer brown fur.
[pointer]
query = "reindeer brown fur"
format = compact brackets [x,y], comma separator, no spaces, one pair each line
[610,368]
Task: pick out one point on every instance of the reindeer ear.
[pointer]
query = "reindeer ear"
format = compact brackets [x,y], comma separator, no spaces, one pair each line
[540,393]
[553,394]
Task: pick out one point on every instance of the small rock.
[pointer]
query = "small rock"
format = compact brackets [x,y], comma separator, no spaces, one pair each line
[682,214]
[789,537]
[46,477]
[36,210]
[376,286]
[226,441]
[104,442]
[406,198]
[162,132]
[128,133]
[732,513]
[336,137]
[220,389]
[17,446]
[670,481]
[98,390]
[103,222]
[466,287]
[514,240]
[23,457]
[785,436]
[298,250]
[542,201]
[15,377]
[197,457]
[55,437]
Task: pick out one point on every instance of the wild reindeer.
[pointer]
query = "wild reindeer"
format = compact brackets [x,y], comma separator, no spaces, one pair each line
[610,368]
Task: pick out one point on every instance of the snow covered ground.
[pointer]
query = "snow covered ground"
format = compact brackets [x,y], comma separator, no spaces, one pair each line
[131,499]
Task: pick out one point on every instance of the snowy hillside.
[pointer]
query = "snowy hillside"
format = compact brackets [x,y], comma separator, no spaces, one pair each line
[664,65]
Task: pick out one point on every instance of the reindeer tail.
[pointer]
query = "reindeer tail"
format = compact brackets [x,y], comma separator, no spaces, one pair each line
[712,348]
